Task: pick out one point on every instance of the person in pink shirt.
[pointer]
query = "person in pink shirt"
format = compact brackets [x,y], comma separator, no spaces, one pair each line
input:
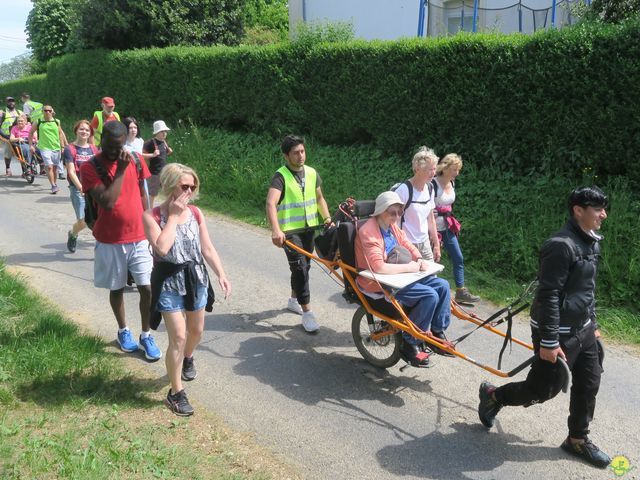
[19,135]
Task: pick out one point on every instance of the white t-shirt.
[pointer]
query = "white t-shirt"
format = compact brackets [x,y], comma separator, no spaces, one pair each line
[416,225]
[443,199]
[135,146]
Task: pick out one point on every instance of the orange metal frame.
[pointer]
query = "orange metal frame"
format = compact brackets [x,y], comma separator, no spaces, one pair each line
[342,271]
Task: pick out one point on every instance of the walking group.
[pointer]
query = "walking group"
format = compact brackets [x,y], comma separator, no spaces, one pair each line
[164,250]
[409,224]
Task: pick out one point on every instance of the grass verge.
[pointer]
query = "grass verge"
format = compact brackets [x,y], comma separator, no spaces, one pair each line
[73,409]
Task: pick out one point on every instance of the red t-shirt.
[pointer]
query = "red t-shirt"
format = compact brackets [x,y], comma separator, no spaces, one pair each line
[122,223]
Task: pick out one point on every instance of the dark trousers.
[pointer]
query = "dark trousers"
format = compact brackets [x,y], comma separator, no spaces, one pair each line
[300,264]
[544,380]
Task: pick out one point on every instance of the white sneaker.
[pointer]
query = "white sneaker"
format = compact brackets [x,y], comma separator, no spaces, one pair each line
[309,322]
[294,306]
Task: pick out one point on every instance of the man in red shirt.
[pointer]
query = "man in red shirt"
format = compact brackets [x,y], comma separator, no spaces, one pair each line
[114,181]
[100,117]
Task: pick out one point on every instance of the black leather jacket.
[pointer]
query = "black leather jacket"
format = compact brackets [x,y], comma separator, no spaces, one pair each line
[565,297]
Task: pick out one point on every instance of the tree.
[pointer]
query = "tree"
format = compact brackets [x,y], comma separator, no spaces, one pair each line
[265,21]
[48,27]
[17,67]
[127,24]
[614,11]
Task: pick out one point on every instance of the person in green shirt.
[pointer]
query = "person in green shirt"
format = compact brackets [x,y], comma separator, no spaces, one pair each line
[51,141]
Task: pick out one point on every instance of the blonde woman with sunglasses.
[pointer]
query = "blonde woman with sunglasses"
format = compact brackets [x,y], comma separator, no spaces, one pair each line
[180,283]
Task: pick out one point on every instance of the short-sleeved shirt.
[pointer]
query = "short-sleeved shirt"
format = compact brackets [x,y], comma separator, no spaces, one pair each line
[22,133]
[48,134]
[135,146]
[83,154]
[416,224]
[122,223]
[277,181]
[157,163]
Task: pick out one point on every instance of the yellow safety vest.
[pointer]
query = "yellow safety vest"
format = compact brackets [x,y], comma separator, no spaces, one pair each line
[8,120]
[298,209]
[97,134]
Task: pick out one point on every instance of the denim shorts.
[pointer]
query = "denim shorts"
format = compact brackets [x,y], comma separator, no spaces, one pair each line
[174,302]
[77,200]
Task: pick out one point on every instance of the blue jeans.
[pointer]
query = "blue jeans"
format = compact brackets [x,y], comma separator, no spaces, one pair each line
[451,245]
[77,200]
[174,302]
[430,301]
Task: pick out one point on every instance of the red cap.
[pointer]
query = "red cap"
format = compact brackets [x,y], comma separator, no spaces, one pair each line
[108,101]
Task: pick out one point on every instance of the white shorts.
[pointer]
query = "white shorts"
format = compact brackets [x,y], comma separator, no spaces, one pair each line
[113,260]
[50,157]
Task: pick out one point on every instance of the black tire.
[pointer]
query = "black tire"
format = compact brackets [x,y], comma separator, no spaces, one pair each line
[32,171]
[383,353]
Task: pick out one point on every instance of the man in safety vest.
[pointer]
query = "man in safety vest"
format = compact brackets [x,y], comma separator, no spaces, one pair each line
[295,206]
[100,117]
[32,109]
[7,119]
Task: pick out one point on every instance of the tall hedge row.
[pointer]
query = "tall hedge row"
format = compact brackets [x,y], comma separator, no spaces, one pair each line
[568,99]
[36,85]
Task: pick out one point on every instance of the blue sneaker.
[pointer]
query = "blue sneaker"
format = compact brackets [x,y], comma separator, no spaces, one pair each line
[126,341]
[151,350]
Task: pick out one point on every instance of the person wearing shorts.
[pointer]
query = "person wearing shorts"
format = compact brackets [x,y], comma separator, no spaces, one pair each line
[180,282]
[51,141]
[74,156]
[114,182]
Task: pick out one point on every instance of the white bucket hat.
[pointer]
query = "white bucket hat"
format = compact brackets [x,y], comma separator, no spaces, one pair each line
[385,200]
[160,126]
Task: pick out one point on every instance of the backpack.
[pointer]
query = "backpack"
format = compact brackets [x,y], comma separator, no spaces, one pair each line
[90,205]
[410,200]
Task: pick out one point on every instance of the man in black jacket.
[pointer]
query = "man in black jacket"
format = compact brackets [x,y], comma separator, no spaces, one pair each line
[563,324]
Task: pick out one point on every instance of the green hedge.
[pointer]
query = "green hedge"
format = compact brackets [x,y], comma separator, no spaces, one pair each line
[505,218]
[566,99]
[35,85]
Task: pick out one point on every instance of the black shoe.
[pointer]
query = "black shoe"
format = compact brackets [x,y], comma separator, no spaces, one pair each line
[72,241]
[488,407]
[414,355]
[188,369]
[438,350]
[178,403]
[587,451]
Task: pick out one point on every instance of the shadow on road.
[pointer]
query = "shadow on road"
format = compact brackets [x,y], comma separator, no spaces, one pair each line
[467,450]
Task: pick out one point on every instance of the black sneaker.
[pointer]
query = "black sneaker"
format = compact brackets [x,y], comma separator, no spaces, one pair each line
[72,241]
[178,403]
[188,369]
[438,350]
[587,451]
[488,407]
[414,355]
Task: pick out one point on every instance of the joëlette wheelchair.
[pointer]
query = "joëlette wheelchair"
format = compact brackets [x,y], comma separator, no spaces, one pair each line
[29,164]
[378,324]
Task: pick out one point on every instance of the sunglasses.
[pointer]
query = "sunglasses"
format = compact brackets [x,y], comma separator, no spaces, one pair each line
[395,213]
[188,187]
[46,110]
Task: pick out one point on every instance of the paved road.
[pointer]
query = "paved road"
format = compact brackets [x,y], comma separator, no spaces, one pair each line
[311,399]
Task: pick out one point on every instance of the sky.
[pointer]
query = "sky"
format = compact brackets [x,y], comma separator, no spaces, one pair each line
[13,40]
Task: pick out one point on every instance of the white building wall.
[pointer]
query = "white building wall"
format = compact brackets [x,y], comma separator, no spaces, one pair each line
[371,19]
[392,19]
